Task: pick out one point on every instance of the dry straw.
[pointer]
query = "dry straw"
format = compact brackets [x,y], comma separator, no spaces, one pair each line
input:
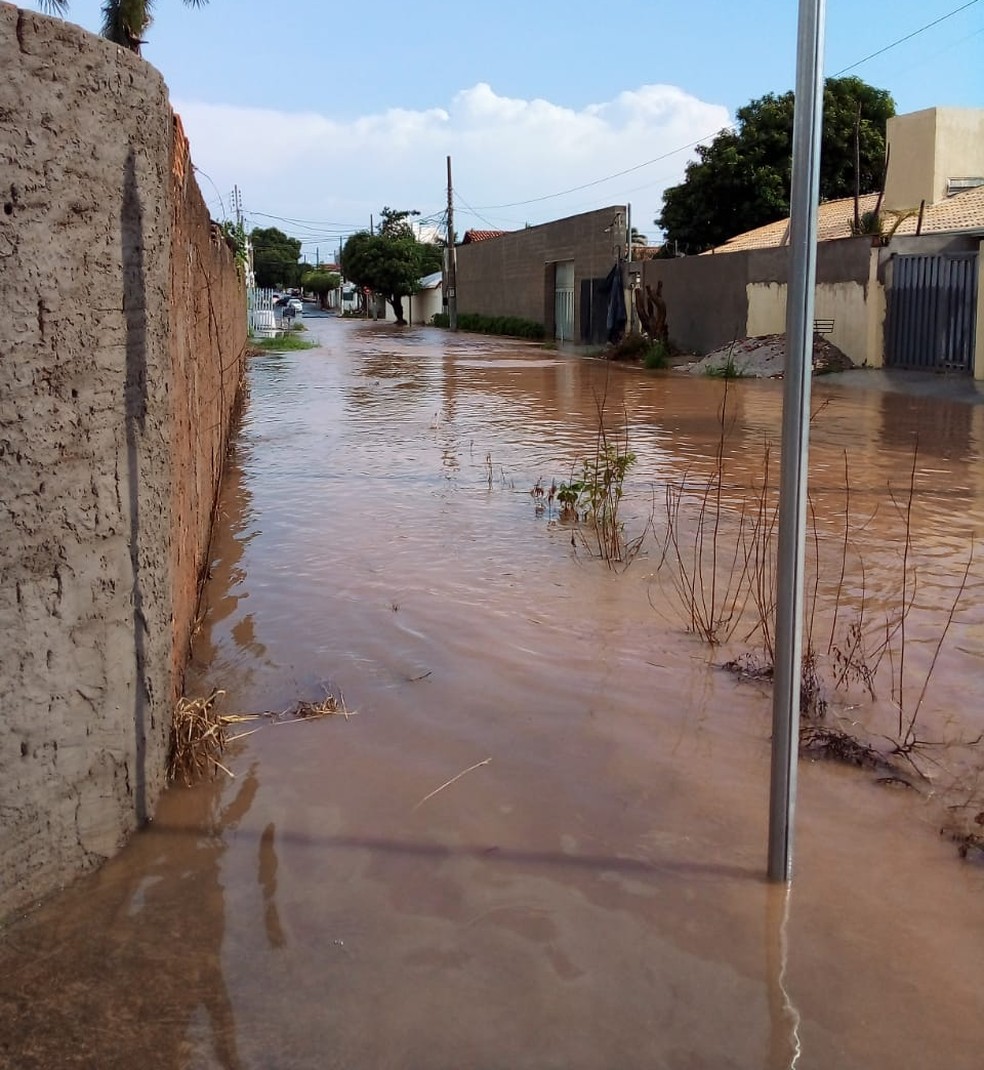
[200,734]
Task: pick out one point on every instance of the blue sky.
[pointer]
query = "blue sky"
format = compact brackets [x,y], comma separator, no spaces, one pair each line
[322,113]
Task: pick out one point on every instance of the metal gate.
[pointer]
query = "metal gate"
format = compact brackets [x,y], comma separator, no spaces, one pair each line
[932,308]
[564,301]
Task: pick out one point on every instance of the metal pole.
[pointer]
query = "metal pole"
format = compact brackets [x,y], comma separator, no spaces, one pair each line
[452,279]
[807,120]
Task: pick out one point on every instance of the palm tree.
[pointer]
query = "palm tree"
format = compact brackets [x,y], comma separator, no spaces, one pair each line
[124,21]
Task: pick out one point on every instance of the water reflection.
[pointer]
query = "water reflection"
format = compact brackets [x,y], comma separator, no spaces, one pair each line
[125,968]
[785,1046]
[267,877]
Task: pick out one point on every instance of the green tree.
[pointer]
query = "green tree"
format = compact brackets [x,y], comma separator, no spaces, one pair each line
[321,283]
[275,258]
[391,261]
[124,21]
[741,179]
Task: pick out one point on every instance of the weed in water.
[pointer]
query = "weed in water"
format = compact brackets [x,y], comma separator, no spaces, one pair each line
[706,557]
[719,559]
[285,343]
[594,496]
[656,356]
[727,370]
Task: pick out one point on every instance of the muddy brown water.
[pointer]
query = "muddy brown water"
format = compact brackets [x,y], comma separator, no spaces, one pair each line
[593,896]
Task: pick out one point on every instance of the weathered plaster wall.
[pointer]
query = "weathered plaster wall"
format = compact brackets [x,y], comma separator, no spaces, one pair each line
[706,302]
[107,360]
[712,299]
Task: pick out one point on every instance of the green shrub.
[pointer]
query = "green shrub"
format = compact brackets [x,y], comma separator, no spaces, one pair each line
[513,326]
[657,355]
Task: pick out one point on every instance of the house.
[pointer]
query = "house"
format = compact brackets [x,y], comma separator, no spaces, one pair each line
[905,295]
[428,301]
[472,236]
[555,274]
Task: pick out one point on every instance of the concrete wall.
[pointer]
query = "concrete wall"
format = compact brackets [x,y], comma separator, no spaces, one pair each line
[513,275]
[422,306]
[929,147]
[845,282]
[121,344]
[712,299]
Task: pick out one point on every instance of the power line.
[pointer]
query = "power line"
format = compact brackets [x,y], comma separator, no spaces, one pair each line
[701,140]
[199,171]
[607,178]
[307,222]
[908,37]
[472,211]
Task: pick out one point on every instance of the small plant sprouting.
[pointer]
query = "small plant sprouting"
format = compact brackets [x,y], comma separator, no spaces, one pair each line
[595,497]
[729,369]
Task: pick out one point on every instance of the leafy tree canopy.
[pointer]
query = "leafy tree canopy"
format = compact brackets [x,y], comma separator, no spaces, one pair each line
[124,21]
[321,283]
[741,179]
[391,261]
[275,258]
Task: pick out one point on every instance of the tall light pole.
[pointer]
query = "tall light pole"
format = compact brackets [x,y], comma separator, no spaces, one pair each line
[807,119]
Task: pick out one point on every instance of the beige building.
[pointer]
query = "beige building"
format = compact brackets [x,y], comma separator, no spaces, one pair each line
[933,210]
[933,154]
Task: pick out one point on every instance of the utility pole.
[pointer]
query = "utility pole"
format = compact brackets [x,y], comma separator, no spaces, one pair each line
[793,473]
[452,279]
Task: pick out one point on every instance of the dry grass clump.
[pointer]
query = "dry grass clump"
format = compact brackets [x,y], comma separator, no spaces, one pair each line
[199,733]
[329,706]
[198,738]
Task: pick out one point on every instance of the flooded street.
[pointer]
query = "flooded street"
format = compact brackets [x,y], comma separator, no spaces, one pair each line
[590,893]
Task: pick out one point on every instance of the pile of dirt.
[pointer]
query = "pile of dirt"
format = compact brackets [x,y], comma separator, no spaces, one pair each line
[764,357]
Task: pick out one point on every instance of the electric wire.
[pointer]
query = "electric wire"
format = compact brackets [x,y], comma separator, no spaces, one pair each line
[320,229]
[908,37]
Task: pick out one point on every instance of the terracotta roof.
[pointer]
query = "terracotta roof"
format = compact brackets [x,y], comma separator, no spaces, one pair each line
[481,235]
[963,211]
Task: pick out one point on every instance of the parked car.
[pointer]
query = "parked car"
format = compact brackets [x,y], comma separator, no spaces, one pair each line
[296,304]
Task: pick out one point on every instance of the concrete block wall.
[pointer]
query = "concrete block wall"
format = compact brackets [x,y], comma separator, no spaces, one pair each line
[512,275]
[116,385]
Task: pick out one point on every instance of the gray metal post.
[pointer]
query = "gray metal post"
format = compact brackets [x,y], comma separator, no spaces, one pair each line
[795,434]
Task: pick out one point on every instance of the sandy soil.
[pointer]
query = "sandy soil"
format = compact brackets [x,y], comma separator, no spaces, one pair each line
[764,357]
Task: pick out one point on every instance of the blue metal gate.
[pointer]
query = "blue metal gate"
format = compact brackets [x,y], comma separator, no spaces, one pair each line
[932,309]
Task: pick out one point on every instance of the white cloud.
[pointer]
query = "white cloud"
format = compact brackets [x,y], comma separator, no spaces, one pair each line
[310,166]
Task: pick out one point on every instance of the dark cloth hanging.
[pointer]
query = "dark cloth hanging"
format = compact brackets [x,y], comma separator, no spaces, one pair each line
[617,317]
